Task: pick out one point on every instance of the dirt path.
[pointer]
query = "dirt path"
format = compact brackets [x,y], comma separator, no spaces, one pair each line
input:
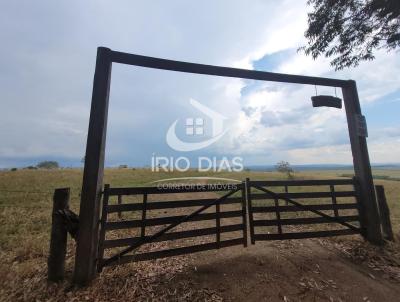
[295,270]
[292,270]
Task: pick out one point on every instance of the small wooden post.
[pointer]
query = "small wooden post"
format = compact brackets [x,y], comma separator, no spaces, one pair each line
[287,191]
[244,213]
[384,213]
[144,212]
[218,224]
[58,239]
[102,236]
[119,203]
[334,201]
[250,208]
[278,216]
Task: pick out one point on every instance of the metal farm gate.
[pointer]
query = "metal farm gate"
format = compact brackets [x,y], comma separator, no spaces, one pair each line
[204,217]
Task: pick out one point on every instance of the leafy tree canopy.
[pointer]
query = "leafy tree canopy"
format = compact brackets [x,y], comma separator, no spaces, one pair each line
[350,30]
[284,167]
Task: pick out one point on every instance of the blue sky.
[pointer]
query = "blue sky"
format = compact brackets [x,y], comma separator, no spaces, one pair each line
[47,63]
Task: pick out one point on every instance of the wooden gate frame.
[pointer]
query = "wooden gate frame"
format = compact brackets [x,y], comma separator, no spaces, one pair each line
[319,210]
[169,223]
[88,237]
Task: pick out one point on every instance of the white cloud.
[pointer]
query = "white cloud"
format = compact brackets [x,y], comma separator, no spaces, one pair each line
[380,152]
[48,64]
[375,79]
[284,29]
[278,120]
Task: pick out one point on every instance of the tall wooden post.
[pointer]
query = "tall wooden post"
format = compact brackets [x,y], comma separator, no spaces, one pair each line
[88,236]
[362,168]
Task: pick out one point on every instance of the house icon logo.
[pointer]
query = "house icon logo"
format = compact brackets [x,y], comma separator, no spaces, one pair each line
[195,127]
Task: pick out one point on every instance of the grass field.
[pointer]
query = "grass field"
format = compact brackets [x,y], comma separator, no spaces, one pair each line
[26,198]
[26,201]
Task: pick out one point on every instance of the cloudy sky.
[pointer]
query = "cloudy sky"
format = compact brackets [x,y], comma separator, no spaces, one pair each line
[47,61]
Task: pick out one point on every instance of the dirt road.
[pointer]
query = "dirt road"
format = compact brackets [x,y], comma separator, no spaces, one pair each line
[301,270]
[296,270]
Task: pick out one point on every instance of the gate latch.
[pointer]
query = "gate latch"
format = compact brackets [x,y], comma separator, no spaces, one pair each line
[71,222]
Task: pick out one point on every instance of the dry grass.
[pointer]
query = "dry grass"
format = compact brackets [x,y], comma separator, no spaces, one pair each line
[25,223]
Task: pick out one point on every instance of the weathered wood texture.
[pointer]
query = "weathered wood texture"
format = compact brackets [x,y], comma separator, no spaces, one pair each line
[119,203]
[384,213]
[250,209]
[158,205]
[174,235]
[171,222]
[370,222]
[326,101]
[157,63]
[301,182]
[103,220]
[298,208]
[244,213]
[176,251]
[87,244]
[58,238]
[303,235]
[269,209]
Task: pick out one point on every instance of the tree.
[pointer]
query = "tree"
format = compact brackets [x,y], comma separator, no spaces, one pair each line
[284,167]
[48,164]
[31,168]
[350,30]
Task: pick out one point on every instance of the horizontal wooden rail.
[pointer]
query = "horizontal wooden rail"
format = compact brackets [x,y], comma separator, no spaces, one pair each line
[115,225]
[175,251]
[298,221]
[305,234]
[310,182]
[297,204]
[305,195]
[164,230]
[174,235]
[273,209]
[157,205]
[164,64]
[184,189]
